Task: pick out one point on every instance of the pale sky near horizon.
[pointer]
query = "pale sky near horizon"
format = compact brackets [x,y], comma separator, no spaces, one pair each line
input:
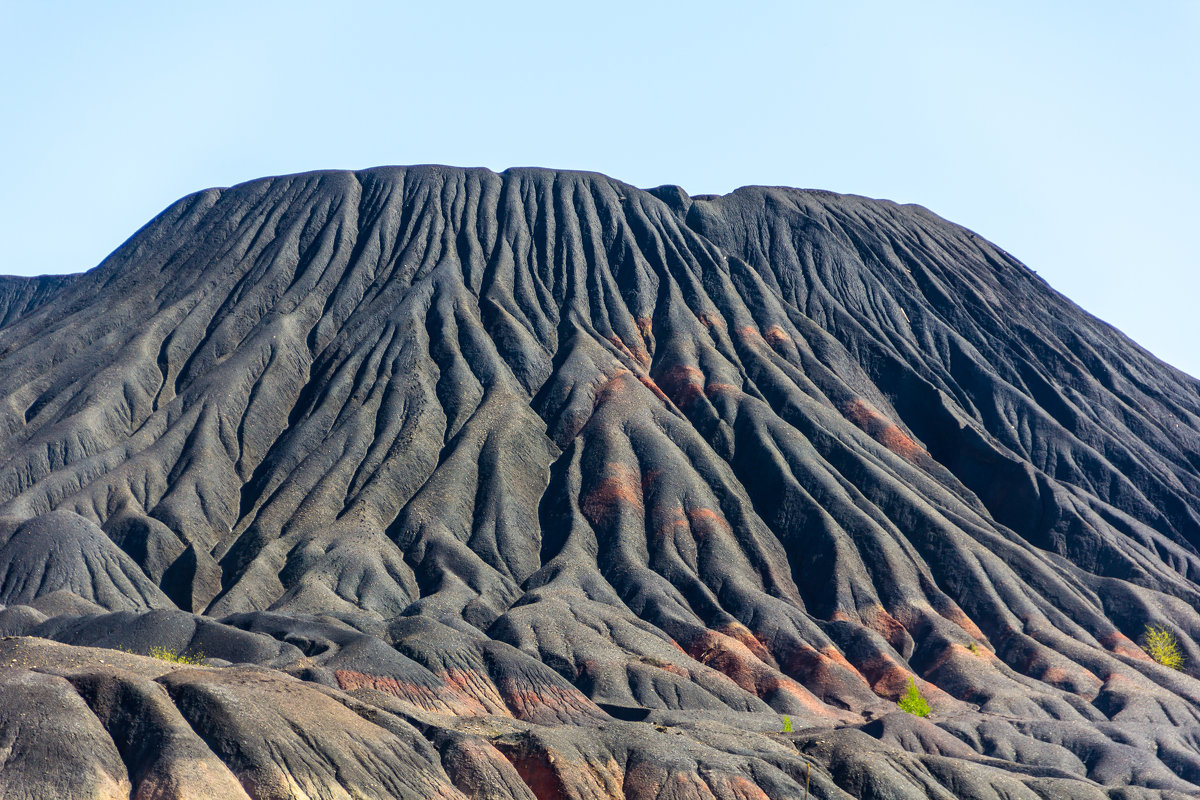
[1062,131]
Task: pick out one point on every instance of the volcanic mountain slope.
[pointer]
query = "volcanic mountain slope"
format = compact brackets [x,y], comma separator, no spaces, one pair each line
[540,485]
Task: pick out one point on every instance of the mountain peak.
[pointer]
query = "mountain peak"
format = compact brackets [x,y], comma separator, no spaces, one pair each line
[545,449]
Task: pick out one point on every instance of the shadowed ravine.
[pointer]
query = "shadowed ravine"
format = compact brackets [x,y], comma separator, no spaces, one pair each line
[535,484]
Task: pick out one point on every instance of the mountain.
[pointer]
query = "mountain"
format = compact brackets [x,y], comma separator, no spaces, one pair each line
[536,484]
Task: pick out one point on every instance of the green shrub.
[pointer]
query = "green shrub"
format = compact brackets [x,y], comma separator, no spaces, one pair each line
[911,702]
[787,724]
[176,657]
[1162,646]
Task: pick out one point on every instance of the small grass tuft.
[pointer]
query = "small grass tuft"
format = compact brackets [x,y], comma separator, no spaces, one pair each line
[787,724]
[911,702]
[1162,646]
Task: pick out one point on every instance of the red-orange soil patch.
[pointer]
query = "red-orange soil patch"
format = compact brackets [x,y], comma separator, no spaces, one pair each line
[736,661]
[649,478]
[1075,680]
[749,333]
[736,786]
[483,762]
[945,655]
[636,352]
[959,618]
[649,383]
[549,705]
[621,485]
[539,775]
[551,775]
[613,387]
[775,335]
[881,429]
[887,677]
[740,632]
[833,655]
[705,521]
[1037,661]
[676,524]
[683,384]
[471,683]
[665,666]
[826,670]
[428,698]
[887,626]
[1122,645]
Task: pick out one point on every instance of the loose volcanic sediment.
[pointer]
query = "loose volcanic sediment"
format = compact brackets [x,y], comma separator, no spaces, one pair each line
[537,485]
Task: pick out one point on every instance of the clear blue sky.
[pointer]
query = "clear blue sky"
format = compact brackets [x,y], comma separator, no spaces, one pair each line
[1066,132]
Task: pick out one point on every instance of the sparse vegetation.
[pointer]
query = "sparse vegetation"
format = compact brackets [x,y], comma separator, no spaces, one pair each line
[177,657]
[974,648]
[911,702]
[1161,645]
[787,724]
[189,657]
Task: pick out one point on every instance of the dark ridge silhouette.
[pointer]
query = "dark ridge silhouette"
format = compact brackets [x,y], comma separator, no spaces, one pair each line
[538,485]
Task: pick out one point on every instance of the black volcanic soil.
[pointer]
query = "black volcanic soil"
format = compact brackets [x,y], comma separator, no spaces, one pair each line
[537,485]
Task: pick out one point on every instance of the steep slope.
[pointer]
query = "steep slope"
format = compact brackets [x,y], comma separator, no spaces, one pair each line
[544,447]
